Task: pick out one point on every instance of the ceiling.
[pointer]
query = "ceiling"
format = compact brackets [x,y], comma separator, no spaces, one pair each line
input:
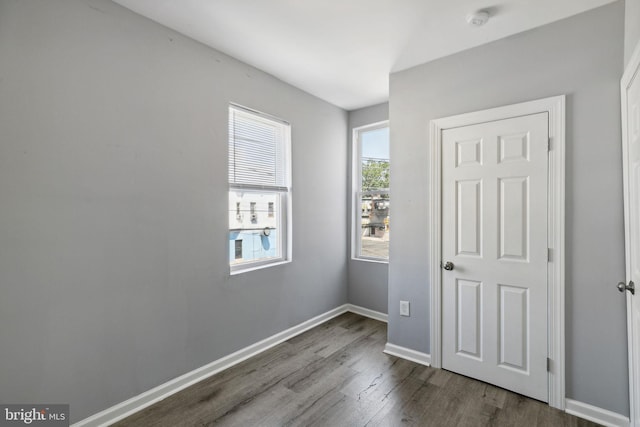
[343,50]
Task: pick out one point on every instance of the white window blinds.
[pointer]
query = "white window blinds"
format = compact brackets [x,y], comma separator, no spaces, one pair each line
[257,155]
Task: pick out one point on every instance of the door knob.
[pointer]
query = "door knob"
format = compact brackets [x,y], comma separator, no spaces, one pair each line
[448,266]
[631,287]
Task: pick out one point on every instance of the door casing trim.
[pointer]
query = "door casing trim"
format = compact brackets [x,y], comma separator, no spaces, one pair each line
[555,107]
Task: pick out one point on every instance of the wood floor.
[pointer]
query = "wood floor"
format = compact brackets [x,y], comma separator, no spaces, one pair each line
[337,375]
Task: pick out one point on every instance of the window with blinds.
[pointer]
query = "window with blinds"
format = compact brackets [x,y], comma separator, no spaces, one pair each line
[259,189]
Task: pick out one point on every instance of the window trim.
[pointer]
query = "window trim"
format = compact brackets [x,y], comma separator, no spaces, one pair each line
[284,194]
[356,190]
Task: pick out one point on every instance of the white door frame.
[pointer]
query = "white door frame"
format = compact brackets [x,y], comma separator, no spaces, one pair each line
[555,107]
[625,83]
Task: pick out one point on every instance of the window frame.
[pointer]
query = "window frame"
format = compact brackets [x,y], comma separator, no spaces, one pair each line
[356,191]
[284,194]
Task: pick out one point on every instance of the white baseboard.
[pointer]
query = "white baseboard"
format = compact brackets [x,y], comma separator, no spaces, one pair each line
[148,398]
[376,315]
[595,414]
[407,353]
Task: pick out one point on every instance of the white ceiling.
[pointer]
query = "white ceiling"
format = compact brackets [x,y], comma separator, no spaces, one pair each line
[343,50]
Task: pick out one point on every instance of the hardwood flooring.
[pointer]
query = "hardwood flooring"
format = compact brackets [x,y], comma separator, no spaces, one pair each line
[337,375]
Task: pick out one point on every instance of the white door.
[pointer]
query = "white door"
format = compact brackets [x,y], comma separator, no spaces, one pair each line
[494,235]
[631,179]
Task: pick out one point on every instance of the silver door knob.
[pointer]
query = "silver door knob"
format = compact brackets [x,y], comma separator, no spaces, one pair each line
[448,266]
[631,287]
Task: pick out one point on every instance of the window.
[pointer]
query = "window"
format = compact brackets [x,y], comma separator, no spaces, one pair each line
[259,190]
[254,215]
[371,199]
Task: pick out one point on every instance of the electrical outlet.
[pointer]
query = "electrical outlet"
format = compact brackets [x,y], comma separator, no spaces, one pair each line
[404,308]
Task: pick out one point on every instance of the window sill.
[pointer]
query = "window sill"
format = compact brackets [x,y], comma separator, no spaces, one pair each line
[248,268]
[372,260]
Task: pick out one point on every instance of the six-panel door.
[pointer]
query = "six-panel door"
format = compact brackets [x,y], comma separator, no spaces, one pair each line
[494,211]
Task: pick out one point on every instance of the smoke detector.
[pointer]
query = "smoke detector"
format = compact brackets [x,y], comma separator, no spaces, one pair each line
[478,18]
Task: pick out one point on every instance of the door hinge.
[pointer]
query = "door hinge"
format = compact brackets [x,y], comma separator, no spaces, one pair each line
[549,144]
[548,365]
[549,255]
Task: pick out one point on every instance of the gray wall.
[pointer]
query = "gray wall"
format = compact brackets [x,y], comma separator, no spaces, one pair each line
[367,280]
[631,27]
[582,57]
[113,222]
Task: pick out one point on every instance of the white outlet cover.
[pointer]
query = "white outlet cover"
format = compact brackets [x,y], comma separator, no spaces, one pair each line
[404,308]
